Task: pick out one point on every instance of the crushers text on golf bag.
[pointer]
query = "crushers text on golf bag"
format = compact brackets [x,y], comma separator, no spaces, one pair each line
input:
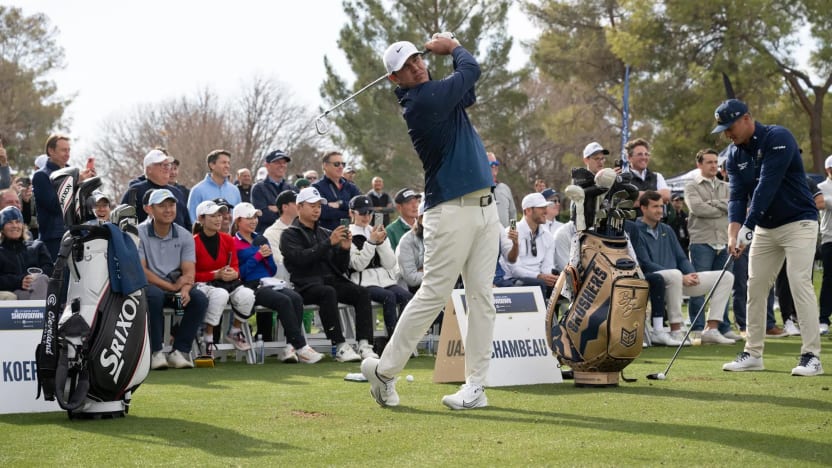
[95,352]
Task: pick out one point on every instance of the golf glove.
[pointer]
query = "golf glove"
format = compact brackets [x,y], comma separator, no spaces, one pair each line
[744,237]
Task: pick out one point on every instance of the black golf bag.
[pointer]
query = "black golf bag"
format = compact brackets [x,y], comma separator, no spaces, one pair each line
[95,351]
[602,330]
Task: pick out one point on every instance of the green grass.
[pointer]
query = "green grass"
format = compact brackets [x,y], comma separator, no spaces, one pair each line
[295,415]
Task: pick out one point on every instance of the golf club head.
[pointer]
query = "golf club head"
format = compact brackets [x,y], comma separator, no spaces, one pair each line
[321,125]
[626,204]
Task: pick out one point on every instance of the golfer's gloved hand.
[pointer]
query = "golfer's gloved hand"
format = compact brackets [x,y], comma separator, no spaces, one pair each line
[744,237]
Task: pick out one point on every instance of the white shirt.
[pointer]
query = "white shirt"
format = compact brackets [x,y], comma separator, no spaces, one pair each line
[528,265]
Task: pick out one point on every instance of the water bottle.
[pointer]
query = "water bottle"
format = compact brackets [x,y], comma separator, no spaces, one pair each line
[260,349]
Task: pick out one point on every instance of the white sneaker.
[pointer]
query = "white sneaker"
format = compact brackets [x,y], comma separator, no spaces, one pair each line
[289,356]
[179,360]
[382,389]
[679,335]
[713,336]
[663,338]
[365,349]
[824,329]
[790,328]
[744,362]
[733,336]
[345,353]
[158,360]
[307,355]
[469,396]
[808,366]
[237,338]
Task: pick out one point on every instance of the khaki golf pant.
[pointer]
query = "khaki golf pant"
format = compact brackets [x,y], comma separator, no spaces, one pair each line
[460,237]
[674,290]
[795,242]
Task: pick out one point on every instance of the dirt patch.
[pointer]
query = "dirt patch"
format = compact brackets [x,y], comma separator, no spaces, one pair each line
[306,414]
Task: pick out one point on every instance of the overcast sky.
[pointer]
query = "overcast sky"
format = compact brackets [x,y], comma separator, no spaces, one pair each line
[123,53]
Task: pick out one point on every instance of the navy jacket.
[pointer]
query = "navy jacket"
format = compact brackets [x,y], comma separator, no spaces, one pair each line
[330,217]
[451,150]
[16,256]
[50,216]
[664,252]
[768,171]
[265,193]
[138,187]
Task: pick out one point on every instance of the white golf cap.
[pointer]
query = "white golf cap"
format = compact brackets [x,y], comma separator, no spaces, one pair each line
[209,207]
[245,210]
[155,157]
[593,148]
[40,161]
[828,162]
[397,54]
[309,195]
[535,200]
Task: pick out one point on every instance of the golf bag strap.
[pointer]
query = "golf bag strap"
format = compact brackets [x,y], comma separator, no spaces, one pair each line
[79,388]
[568,274]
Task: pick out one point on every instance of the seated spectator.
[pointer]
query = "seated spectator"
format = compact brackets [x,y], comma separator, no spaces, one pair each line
[25,265]
[318,261]
[667,258]
[101,208]
[23,186]
[167,254]
[218,275]
[509,248]
[410,255]
[407,204]
[287,211]
[227,222]
[157,165]
[257,262]
[535,260]
[216,184]
[373,263]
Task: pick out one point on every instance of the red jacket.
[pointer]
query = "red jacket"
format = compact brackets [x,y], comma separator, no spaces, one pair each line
[206,265]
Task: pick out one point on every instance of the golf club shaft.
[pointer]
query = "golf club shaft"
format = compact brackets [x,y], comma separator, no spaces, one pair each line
[699,312]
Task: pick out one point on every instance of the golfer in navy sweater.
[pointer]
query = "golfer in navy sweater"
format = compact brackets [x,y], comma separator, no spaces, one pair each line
[461,226]
[770,209]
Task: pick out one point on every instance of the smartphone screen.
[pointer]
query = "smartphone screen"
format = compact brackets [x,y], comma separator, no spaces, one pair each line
[513,224]
[90,163]
[345,222]
[378,219]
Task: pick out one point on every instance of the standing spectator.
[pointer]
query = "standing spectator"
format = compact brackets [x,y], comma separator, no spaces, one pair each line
[216,184]
[349,174]
[407,204]
[256,259]
[336,190]
[382,203]
[168,257]
[157,166]
[826,248]
[552,211]
[27,205]
[638,152]
[17,254]
[173,179]
[318,260]
[707,199]
[50,215]
[539,185]
[502,193]
[311,175]
[595,156]
[373,263]
[264,193]
[461,226]
[244,184]
[677,219]
[5,169]
[764,165]
[8,197]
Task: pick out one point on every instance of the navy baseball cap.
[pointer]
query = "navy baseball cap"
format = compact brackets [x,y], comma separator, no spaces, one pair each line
[277,155]
[727,113]
[361,204]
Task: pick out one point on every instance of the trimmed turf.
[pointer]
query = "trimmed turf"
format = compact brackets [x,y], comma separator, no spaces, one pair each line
[296,415]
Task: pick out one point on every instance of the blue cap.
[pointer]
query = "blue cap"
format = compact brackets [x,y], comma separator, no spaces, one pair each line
[549,193]
[727,113]
[160,195]
[8,214]
[277,155]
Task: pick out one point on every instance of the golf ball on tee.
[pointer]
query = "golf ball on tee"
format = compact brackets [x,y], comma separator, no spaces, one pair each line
[660,376]
[409,378]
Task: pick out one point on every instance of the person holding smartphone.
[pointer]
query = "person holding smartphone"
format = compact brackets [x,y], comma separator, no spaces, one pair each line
[5,169]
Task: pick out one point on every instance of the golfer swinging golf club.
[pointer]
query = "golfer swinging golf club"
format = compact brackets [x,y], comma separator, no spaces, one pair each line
[461,226]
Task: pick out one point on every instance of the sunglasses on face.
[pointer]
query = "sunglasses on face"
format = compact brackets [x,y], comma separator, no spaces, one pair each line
[338,164]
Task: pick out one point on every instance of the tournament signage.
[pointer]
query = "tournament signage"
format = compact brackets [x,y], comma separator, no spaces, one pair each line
[519,354]
[21,326]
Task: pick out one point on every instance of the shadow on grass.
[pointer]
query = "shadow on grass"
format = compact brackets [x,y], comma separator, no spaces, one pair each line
[173,433]
[769,444]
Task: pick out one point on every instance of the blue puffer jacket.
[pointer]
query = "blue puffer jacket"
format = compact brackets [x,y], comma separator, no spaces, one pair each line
[451,150]
[16,256]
